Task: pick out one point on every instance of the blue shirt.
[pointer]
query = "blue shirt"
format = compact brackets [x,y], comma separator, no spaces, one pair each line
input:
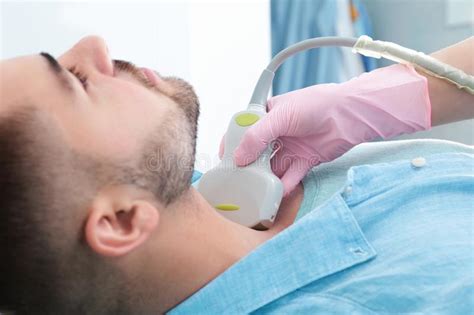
[397,237]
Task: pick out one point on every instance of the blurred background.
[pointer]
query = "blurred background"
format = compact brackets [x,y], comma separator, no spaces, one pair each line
[222,46]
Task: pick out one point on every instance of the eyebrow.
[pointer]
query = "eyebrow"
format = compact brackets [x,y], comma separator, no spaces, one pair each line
[58,71]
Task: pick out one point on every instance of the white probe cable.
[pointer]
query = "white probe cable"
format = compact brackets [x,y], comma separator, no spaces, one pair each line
[260,93]
[367,47]
[375,48]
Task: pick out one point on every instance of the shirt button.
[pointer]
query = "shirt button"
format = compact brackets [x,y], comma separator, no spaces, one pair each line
[418,162]
[348,189]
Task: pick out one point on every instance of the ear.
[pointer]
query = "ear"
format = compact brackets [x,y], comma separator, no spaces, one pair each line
[118,222]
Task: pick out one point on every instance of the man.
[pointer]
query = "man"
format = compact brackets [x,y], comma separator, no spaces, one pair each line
[96,159]
[98,216]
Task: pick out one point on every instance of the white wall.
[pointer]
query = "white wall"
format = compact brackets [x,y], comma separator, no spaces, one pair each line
[218,46]
[230,46]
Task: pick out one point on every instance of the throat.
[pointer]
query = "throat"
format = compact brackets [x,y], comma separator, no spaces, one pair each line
[288,210]
[212,244]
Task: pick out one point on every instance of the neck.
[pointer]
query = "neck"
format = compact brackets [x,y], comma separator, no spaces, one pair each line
[200,244]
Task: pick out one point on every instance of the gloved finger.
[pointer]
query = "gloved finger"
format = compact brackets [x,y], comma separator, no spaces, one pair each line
[281,161]
[271,103]
[256,140]
[296,172]
[221,147]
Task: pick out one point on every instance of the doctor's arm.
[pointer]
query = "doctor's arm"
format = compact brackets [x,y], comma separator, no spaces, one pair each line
[320,123]
[448,103]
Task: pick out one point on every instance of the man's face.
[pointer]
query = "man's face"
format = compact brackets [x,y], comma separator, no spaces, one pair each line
[104,108]
[74,163]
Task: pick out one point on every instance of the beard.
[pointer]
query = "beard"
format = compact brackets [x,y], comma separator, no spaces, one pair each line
[167,160]
[169,155]
[185,97]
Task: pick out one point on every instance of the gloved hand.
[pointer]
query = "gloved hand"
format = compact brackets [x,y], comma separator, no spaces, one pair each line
[320,123]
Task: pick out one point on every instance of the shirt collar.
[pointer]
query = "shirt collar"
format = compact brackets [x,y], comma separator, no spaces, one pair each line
[325,241]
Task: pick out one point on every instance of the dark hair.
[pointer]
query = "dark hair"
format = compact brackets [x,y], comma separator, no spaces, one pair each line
[45,265]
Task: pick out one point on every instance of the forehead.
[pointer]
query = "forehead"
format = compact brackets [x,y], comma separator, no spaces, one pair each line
[24,80]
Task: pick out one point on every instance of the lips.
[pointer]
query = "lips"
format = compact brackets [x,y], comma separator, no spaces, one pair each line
[151,76]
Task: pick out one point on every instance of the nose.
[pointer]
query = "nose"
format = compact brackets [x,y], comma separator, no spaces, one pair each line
[92,53]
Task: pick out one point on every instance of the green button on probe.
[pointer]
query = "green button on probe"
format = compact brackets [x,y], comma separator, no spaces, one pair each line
[246,119]
[227,207]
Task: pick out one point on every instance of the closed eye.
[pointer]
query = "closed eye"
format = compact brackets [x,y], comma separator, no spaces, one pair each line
[80,76]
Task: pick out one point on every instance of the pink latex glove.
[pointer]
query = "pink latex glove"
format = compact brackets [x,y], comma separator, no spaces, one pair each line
[320,123]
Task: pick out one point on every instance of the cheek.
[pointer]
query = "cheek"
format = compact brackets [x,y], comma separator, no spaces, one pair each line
[117,122]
